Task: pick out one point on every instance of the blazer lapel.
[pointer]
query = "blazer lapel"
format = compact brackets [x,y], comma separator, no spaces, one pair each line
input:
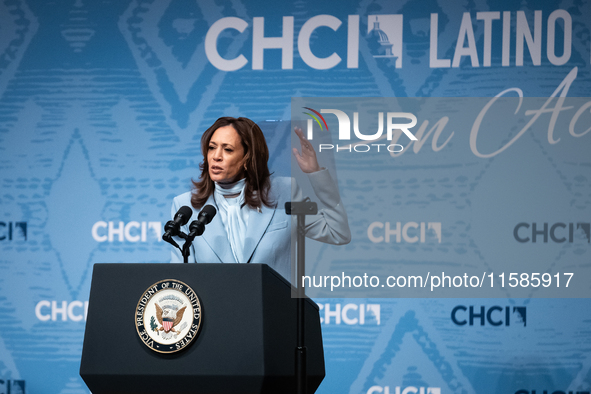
[216,237]
[257,226]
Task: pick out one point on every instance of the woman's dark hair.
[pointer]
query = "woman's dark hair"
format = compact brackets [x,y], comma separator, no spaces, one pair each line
[256,155]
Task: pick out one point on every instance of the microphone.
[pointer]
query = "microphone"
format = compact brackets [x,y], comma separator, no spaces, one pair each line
[197,227]
[173,227]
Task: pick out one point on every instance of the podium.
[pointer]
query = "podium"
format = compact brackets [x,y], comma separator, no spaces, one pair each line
[245,343]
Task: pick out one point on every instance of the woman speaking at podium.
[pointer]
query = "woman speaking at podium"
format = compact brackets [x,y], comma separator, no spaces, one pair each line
[251,225]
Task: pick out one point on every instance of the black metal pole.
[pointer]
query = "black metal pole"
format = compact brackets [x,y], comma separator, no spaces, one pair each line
[186,251]
[301,375]
[301,209]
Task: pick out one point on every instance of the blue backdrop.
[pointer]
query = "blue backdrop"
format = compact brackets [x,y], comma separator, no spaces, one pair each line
[102,105]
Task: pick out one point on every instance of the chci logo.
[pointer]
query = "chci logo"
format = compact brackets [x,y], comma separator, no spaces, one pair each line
[493,316]
[558,232]
[168,316]
[13,231]
[12,386]
[403,390]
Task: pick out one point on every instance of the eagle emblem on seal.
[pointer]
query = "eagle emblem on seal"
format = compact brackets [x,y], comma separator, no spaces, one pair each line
[169,317]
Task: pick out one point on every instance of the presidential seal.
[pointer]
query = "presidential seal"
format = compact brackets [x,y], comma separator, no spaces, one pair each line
[168,316]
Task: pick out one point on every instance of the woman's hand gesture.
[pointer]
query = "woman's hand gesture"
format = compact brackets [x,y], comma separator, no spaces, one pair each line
[307,159]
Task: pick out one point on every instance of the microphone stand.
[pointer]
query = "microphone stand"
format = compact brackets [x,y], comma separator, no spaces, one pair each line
[301,209]
[185,251]
[196,228]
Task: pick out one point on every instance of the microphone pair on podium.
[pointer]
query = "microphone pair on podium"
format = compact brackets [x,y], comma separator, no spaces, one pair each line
[182,217]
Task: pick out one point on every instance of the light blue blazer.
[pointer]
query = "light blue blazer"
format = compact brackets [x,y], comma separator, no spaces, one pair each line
[270,231]
[269,238]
